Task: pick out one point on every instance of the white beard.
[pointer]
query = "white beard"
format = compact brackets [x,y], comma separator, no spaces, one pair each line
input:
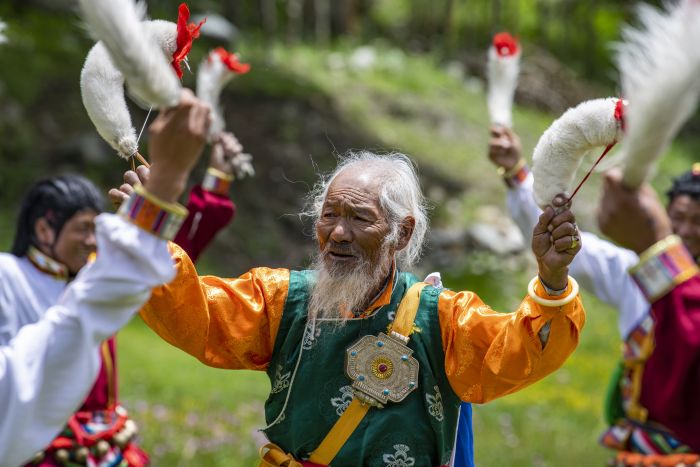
[339,292]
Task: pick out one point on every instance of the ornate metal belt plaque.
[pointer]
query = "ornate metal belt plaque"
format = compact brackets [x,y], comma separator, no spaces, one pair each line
[381,369]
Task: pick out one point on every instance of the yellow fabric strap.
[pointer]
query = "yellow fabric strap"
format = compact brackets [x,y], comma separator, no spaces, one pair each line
[340,433]
[406,314]
[356,411]
[272,455]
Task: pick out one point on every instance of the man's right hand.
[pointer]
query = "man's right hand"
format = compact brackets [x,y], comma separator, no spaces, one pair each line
[176,139]
[224,149]
[227,156]
[505,149]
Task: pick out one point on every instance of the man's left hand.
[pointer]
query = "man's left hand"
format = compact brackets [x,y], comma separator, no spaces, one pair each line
[555,242]
[118,195]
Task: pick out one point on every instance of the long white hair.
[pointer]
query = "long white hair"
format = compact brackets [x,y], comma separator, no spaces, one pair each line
[400,196]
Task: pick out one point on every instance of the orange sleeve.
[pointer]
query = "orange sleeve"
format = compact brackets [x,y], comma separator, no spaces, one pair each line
[490,354]
[225,323]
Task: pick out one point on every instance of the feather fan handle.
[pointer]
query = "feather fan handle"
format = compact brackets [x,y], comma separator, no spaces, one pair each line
[502,74]
[215,71]
[102,90]
[659,66]
[559,152]
[133,49]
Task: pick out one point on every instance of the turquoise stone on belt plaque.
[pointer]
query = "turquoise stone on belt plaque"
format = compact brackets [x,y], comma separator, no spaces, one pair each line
[381,369]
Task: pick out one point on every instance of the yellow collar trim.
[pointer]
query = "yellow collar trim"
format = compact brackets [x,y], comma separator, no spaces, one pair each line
[46,264]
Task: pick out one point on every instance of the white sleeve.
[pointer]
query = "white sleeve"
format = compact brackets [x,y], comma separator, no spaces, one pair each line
[522,207]
[600,267]
[48,368]
[8,324]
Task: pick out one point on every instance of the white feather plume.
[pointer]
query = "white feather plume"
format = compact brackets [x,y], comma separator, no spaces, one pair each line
[212,76]
[659,64]
[102,90]
[502,75]
[561,148]
[134,49]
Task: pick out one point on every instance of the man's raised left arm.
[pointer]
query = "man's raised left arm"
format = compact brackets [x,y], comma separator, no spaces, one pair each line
[490,354]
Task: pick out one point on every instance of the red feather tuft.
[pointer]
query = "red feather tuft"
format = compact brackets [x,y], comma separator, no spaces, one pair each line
[231,61]
[505,44]
[186,33]
[620,112]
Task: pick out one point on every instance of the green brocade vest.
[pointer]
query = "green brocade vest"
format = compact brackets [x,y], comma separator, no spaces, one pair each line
[310,389]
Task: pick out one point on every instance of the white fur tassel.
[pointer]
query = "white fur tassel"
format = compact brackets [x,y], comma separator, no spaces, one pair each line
[502,74]
[102,90]
[134,49]
[561,148]
[659,66]
[212,76]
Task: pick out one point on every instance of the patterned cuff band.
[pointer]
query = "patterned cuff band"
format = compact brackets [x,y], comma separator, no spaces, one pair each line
[153,215]
[216,181]
[516,175]
[662,267]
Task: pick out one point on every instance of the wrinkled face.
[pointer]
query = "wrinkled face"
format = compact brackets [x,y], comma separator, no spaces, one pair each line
[76,240]
[352,226]
[684,212]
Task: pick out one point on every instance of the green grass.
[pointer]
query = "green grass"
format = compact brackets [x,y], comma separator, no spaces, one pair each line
[189,414]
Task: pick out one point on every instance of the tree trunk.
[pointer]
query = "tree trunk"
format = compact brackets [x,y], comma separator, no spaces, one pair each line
[295,19]
[322,12]
[589,59]
[448,27]
[496,24]
[268,12]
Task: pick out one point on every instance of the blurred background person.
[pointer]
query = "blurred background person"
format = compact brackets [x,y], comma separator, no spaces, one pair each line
[602,268]
[51,360]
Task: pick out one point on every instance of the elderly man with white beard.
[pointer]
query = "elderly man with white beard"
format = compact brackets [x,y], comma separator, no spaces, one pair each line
[367,364]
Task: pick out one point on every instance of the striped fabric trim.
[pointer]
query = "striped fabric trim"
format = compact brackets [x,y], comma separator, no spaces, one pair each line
[632,437]
[662,267]
[636,351]
[518,178]
[216,181]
